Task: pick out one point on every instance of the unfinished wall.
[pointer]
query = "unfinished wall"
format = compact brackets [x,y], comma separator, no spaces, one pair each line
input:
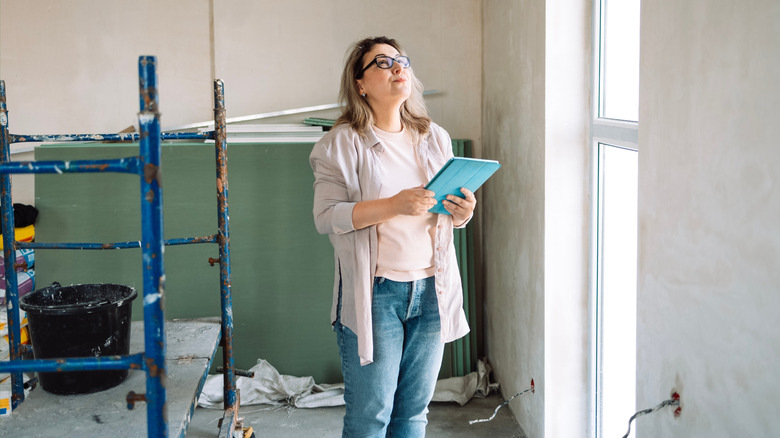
[72,66]
[276,55]
[537,56]
[513,202]
[709,204]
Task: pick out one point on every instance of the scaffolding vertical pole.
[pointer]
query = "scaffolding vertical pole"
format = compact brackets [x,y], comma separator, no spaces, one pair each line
[223,221]
[152,245]
[9,254]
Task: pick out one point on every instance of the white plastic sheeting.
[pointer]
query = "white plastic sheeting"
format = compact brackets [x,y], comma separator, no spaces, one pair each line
[268,386]
[462,389]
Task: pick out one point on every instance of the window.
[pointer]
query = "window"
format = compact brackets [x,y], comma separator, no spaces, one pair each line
[616,288]
[614,139]
[619,60]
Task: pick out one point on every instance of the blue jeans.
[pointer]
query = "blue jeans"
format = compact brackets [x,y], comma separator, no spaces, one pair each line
[389,397]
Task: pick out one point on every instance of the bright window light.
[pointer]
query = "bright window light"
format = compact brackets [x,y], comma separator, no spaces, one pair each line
[617,288]
[619,76]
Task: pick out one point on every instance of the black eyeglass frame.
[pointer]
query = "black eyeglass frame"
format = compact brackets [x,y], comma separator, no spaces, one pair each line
[390,59]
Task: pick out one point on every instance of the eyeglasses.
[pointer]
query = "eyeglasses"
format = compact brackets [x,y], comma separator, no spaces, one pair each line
[385,62]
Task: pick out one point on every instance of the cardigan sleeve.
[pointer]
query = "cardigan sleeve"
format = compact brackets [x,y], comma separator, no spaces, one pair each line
[332,206]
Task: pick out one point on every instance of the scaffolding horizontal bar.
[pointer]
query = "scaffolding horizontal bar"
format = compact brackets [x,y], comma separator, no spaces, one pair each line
[120,165]
[214,238]
[130,136]
[116,245]
[135,361]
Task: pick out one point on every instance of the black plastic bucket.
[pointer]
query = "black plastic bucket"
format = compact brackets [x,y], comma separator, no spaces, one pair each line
[83,320]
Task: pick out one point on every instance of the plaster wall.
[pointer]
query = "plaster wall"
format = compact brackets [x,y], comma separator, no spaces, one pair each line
[709,234]
[536,100]
[71,67]
[513,206]
[280,54]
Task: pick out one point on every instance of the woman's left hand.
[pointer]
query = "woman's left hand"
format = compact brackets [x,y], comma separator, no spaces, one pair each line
[461,209]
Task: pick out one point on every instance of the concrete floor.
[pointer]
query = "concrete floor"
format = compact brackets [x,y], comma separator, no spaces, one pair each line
[445,420]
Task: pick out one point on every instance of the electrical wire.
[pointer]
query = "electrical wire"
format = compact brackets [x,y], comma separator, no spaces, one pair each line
[674,401]
[506,402]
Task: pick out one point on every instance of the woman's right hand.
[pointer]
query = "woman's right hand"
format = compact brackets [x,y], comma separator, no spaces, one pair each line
[414,202]
[410,202]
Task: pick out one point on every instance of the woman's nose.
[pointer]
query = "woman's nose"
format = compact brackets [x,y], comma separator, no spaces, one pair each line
[396,68]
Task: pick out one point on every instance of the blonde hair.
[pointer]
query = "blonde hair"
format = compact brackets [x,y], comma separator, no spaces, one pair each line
[357,113]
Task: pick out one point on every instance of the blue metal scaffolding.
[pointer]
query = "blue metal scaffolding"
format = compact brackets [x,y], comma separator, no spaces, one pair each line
[147,166]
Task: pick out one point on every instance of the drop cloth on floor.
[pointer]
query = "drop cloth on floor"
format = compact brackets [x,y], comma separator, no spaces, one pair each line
[268,386]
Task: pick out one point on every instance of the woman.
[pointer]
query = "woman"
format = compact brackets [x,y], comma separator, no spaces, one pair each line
[397,292]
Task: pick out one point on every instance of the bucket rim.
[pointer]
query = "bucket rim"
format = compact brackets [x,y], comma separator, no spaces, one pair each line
[84,307]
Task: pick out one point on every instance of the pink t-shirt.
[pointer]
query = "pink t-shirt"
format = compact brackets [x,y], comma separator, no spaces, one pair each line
[405,243]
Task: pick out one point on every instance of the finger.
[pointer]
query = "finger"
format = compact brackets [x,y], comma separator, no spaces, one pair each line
[424,208]
[458,215]
[469,194]
[451,207]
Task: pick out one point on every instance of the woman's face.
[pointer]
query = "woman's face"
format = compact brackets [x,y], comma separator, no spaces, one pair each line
[391,86]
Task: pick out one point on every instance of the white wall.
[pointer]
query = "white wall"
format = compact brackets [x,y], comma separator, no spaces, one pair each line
[537,57]
[513,202]
[709,217]
[566,216]
[276,55]
[71,67]
[709,242]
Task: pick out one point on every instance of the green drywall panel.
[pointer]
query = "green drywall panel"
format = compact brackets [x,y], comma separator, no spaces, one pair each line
[282,269]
